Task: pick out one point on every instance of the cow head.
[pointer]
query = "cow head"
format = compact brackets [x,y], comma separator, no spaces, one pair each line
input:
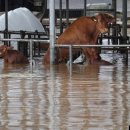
[3,49]
[103,21]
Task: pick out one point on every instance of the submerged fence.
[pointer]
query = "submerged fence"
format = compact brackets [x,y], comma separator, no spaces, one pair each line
[31,41]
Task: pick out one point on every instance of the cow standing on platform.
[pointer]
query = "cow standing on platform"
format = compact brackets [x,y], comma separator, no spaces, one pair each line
[83,31]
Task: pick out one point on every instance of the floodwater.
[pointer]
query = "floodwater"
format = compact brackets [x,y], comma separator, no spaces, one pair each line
[84,97]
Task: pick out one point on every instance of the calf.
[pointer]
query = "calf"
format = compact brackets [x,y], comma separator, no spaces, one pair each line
[11,56]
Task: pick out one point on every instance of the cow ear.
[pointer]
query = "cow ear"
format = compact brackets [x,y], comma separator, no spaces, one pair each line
[99,17]
[101,23]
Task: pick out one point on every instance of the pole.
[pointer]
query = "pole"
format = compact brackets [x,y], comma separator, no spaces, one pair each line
[52,29]
[6,19]
[85,8]
[70,57]
[114,7]
[67,12]
[60,12]
[124,18]
[31,56]
[124,25]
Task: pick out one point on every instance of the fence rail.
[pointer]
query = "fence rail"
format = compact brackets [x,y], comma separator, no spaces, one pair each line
[31,41]
[90,45]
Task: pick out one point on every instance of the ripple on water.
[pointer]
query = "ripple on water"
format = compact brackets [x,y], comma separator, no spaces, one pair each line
[90,97]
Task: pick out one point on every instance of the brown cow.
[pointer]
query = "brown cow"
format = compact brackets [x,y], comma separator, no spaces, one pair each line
[11,56]
[85,30]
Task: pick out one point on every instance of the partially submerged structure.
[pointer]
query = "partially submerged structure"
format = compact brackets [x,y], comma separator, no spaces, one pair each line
[60,17]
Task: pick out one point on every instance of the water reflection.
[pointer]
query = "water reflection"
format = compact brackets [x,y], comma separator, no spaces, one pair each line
[91,98]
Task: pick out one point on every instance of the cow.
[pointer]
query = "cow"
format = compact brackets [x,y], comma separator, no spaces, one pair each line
[11,56]
[83,31]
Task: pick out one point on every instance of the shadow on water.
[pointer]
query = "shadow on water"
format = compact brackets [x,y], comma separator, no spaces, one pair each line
[91,97]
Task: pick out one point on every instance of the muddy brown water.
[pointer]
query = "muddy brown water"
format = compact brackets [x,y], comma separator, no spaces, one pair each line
[89,97]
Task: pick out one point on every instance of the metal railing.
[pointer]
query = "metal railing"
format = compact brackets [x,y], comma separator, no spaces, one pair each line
[89,46]
[31,41]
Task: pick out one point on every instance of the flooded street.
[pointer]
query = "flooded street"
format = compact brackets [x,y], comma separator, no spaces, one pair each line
[89,97]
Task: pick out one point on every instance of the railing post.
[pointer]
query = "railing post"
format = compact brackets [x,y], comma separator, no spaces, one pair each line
[31,56]
[70,57]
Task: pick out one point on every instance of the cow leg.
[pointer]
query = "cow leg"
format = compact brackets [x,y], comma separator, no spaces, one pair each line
[63,55]
[92,55]
[86,52]
[46,58]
